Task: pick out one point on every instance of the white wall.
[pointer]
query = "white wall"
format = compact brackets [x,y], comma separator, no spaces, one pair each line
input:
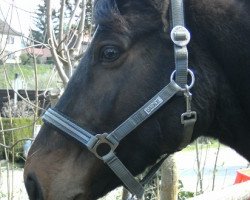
[7,46]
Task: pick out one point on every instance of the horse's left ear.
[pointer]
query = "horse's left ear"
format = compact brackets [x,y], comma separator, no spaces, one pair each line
[123,5]
[162,6]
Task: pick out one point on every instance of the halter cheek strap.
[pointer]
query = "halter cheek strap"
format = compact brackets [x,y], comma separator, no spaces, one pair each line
[178,84]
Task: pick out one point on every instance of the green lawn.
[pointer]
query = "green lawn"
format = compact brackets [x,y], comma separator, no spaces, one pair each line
[27,73]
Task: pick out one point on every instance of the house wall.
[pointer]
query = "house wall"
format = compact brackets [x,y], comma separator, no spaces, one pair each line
[9,44]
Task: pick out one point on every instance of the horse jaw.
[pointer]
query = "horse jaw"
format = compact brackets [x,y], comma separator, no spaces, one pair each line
[74,174]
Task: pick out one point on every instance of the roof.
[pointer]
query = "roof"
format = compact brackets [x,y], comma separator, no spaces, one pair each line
[6,29]
[42,52]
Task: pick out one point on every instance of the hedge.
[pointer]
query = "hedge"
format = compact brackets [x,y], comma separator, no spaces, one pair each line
[13,136]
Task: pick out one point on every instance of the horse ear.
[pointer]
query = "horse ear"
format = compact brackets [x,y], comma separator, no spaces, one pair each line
[159,4]
[162,7]
[124,5]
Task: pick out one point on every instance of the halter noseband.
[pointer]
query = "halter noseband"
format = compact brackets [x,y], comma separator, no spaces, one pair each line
[178,84]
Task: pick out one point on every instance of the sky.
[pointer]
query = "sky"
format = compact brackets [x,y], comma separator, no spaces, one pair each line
[19,13]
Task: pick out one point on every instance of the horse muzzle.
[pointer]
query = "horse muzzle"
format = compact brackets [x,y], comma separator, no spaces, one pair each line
[33,187]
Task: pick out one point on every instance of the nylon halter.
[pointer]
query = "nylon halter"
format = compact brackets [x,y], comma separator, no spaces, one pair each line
[178,84]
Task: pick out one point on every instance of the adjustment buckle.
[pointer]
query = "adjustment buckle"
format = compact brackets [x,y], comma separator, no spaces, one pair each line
[180,36]
[103,148]
[188,117]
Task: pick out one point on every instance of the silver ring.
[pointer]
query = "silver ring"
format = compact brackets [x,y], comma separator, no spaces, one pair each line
[180,36]
[192,79]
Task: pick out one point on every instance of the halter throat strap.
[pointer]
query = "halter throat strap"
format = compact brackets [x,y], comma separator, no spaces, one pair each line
[178,84]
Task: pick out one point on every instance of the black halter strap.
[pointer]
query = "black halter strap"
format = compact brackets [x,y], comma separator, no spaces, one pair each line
[180,37]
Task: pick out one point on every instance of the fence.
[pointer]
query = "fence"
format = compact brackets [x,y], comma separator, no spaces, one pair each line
[6,95]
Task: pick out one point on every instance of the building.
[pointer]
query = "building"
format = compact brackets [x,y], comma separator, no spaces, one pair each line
[10,44]
[43,55]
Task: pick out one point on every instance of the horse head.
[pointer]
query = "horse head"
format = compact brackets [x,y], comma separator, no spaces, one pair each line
[128,61]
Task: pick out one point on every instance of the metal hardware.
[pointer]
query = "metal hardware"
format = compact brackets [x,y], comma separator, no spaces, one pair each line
[192,79]
[109,147]
[180,36]
[188,98]
[189,114]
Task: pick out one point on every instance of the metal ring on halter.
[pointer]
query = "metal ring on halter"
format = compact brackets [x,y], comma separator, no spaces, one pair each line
[192,80]
[107,145]
[180,36]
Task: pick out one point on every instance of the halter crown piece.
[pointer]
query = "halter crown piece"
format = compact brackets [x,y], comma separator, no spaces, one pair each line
[178,84]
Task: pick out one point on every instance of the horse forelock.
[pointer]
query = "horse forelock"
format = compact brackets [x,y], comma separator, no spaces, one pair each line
[130,17]
[106,13]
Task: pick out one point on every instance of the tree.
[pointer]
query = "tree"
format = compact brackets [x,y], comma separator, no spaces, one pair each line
[67,45]
[39,34]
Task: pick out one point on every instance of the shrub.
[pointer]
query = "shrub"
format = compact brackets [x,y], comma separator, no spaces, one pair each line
[22,109]
[26,59]
[182,195]
[13,136]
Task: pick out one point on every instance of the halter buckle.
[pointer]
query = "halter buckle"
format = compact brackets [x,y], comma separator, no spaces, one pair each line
[180,36]
[188,117]
[103,148]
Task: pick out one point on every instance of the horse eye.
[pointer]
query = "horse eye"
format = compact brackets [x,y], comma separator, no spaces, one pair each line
[109,53]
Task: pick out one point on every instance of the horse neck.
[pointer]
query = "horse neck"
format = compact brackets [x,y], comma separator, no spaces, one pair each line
[222,28]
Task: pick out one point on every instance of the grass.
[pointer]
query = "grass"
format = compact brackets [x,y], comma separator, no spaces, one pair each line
[27,74]
[212,143]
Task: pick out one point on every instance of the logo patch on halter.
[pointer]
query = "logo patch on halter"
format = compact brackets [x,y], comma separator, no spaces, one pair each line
[152,106]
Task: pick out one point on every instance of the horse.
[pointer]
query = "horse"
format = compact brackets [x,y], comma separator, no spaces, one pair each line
[129,60]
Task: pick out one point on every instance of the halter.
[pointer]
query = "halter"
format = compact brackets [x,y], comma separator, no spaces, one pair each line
[178,84]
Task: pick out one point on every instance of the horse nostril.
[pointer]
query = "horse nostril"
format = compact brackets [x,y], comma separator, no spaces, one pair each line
[33,188]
